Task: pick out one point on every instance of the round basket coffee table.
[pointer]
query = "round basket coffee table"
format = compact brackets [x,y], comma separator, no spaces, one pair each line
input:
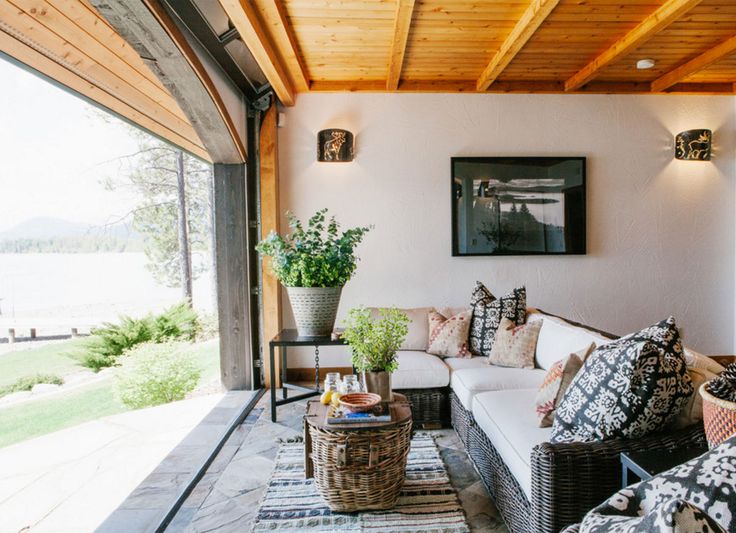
[358,466]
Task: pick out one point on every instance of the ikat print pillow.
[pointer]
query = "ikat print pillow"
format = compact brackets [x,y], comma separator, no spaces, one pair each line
[515,345]
[627,388]
[487,314]
[448,337]
[699,495]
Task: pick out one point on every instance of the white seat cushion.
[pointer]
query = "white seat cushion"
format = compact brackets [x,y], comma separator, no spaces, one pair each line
[468,382]
[419,370]
[558,339]
[509,420]
[460,363]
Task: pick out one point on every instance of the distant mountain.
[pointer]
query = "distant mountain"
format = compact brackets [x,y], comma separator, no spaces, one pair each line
[51,228]
[54,235]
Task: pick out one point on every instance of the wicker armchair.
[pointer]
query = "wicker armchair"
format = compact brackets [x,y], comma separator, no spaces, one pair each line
[567,479]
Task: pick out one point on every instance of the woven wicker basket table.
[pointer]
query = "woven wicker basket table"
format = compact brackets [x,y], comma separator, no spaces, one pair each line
[358,467]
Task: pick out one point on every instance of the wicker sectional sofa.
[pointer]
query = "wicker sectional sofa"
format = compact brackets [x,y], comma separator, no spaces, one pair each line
[538,486]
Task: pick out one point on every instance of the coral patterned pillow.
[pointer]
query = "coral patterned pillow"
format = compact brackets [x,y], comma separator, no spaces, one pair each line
[515,345]
[556,382]
[448,337]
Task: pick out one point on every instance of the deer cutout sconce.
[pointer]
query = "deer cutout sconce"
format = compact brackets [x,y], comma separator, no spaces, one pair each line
[335,146]
[693,145]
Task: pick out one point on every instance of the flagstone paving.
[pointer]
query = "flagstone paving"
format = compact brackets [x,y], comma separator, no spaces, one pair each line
[227,500]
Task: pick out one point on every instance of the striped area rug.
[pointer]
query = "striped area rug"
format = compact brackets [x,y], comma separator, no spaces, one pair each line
[428,501]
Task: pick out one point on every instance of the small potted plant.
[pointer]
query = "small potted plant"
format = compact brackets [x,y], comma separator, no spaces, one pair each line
[313,263]
[374,343]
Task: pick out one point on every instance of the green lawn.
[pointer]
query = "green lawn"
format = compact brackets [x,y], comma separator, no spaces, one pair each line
[51,358]
[42,416]
[38,417]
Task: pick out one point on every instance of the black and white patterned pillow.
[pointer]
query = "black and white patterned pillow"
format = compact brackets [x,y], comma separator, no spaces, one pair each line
[699,495]
[627,388]
[487,314]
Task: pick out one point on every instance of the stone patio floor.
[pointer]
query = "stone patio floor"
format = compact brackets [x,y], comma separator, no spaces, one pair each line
[226,499]
[71,480]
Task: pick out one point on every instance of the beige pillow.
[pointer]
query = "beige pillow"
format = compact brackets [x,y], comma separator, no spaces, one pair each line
[448,337]
[692,413]
[515,345]
[416,338]
[556,382]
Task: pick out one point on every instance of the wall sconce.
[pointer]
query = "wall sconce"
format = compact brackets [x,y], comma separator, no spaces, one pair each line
[693,145]
[334,145]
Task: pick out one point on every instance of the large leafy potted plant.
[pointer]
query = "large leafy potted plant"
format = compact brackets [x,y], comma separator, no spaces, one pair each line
[313,263]
[374,342]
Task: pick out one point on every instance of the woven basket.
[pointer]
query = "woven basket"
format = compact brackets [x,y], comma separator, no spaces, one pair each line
[360,470]
[719,417]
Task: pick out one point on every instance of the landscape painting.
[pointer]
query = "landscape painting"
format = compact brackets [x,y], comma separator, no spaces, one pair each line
[518,205]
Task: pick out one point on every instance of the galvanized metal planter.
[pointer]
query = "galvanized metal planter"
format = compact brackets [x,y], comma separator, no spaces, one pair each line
[315,309]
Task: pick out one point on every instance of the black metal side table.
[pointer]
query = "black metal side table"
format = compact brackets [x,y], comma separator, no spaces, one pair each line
[643,466]
[285,339]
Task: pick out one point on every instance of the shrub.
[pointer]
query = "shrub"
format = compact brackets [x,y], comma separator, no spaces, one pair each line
[154,374]
[315,257]
[26,383]
[107,343]
[374,342]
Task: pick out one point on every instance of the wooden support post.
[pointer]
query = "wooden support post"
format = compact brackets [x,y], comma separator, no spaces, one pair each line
[75,333]
[231,227]
[33,333]
[11,335]
[270,216]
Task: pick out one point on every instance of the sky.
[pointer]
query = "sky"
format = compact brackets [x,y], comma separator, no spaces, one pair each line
[55,151]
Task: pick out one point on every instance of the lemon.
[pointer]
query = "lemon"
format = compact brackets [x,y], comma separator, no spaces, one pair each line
[335,399]
[326,397]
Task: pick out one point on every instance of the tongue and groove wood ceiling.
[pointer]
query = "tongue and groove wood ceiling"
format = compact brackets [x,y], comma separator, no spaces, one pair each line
[490,46]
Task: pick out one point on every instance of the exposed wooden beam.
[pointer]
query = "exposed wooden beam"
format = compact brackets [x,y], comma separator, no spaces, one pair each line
[402,23]
[245,19]
[151,32]
[290,48]
[532,18]
[694,65]
[665,15]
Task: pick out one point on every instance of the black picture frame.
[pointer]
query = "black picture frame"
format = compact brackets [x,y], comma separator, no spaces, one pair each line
[515,230]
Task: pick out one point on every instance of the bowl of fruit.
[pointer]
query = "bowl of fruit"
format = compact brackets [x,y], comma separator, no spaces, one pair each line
[359,402]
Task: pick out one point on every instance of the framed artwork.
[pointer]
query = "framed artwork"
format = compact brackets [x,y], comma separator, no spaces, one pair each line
[518,205]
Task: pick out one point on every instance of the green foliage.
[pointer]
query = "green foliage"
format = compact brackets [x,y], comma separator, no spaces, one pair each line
[26,383]
[318,256]
[107,343]
[154,374]
[374,342]
[65,245]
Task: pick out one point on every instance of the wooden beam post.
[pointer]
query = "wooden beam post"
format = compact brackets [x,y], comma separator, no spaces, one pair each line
[11,335]
[665,15]
[270,221]
[697,64]
[245,19]
[231,228]
[532,18]
[402,23]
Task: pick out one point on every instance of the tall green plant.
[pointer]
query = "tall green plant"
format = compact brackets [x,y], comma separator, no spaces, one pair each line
[315,256]
[374,342]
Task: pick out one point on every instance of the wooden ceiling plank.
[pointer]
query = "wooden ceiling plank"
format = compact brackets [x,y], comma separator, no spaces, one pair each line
[402,24]
[245,19]
[665,15]
[15,18]
[532,18]
[50,68]
[694,65]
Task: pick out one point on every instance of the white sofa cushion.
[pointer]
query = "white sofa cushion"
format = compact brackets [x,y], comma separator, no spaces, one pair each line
[508,419]
[468,382]
[459,363]
[558,339]
[419,370]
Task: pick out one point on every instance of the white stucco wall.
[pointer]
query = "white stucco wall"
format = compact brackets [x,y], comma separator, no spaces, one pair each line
[660,232]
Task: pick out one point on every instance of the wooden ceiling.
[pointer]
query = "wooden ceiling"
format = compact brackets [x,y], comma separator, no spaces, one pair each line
[490,45]
[69,42]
